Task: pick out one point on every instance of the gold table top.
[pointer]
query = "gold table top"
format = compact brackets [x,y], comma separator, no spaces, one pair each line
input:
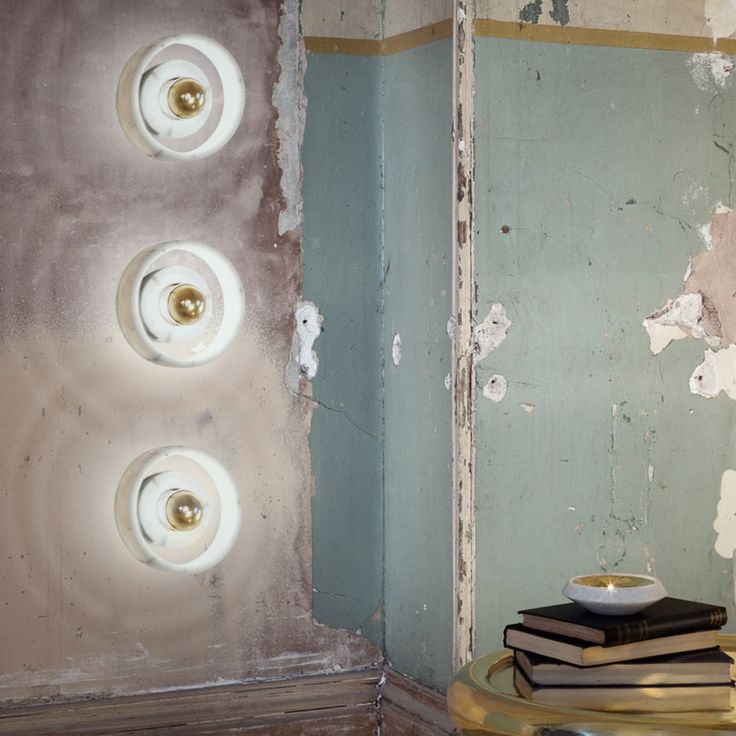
[482,700]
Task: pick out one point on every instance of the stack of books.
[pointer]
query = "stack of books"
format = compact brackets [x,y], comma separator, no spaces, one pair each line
[662,659]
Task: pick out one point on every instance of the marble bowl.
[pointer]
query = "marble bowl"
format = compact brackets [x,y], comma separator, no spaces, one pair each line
[614,594]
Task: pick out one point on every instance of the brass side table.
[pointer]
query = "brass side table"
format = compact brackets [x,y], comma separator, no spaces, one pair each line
[482,700]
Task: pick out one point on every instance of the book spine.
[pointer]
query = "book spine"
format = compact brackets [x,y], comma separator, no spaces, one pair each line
[629,632]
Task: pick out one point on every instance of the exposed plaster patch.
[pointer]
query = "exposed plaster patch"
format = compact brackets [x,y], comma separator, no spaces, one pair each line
[448,381]
[303,361]
[289,102]
[710,71]
[715,374]
[451,328]
[495,388]
[528,408]
[725,523]
[396,349]
[720,15]
[491,332]
[678,318]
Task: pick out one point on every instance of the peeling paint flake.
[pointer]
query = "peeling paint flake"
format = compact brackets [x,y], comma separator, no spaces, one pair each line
[527,407]
[303,361]
[495,388]
[678,318]
[396,349]
[490,333]
[716,373]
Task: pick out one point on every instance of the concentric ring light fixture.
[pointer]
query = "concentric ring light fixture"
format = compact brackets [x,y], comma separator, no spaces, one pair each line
[172,99]
[160,307]
[157,511]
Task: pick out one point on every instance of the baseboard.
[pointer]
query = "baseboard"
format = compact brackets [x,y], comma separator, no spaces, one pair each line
[308,706]
[345,703]
[409,709]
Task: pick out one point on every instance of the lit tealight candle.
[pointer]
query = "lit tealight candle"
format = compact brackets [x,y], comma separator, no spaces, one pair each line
[614,594]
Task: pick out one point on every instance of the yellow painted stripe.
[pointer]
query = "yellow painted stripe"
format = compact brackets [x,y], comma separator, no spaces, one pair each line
[375,47]
[520,32]
[601,37]
[348,46]
[419,37]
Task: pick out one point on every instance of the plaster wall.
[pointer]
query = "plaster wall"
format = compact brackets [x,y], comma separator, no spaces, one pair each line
[78,614]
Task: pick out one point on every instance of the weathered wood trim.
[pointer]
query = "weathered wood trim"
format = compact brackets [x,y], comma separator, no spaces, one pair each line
[348,703]
[337,704]
[409,709]
[463,374]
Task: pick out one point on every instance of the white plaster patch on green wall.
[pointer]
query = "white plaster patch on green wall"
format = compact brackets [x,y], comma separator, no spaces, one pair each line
[725,522]
[491,332]
[495,388]
[711,72]
[720,15]
[716,373]
[678,318]
[303,360]
[396,349]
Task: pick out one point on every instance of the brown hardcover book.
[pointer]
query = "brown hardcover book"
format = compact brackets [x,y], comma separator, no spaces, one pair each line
[702,667]
[585,654]
[669,699]
[664,618]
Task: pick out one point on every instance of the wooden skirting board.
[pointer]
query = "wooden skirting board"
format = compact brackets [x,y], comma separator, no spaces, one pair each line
[346,703]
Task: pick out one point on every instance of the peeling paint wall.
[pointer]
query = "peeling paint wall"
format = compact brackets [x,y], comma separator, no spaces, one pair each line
[418,287]
[343,273]
[79,615]
[596,169]
[378,263]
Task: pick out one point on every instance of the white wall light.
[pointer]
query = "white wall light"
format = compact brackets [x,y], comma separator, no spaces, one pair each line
[158,102]
[162,307]
[164,510]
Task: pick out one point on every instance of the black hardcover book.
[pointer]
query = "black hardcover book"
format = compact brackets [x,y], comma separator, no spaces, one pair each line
[586,654]
[702,667]
[670,699]
[664,618]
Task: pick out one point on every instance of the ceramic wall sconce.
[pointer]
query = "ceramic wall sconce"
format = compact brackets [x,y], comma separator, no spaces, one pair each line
[167,312]
[177,500]
[179,108]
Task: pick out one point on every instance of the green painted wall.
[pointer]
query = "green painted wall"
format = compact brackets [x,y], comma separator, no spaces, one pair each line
[603,164]
[418,303]
[342,275]
[377,252]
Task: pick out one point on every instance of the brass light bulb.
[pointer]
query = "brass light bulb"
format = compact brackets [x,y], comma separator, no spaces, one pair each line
[186,97]
[186,304]
[183,511]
